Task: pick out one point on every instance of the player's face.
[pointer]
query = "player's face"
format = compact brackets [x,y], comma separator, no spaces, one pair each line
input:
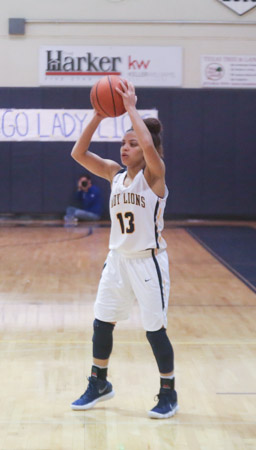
[131,153]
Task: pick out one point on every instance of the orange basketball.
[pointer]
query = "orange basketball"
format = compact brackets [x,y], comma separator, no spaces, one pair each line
[104,97]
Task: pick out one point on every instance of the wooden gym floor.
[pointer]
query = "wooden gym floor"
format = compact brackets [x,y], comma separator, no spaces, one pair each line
[48,281]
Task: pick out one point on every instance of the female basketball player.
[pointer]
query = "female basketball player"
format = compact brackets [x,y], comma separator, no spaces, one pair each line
[137,263]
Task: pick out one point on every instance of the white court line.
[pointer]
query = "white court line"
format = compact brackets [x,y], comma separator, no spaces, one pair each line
[125,422]
[74,343]
[235,393]
[30,350]
[82,345]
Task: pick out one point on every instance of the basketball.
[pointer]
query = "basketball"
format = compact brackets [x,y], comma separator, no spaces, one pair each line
[104,97]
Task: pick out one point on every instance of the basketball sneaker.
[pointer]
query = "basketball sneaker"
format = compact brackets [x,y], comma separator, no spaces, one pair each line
[167,405]
[97,391]
[70,221]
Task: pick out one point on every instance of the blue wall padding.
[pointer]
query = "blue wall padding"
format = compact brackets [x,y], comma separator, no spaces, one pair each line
[209,140]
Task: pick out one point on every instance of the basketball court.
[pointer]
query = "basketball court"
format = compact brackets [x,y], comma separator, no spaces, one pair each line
[49,276]
[193,66]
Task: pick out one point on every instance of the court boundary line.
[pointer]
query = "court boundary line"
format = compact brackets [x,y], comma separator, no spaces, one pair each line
[222,261]
[55,241]
[88,342]
[235,393]
[6,303]
[90,421]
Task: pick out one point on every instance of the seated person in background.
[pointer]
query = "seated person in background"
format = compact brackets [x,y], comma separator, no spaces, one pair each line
[89,202]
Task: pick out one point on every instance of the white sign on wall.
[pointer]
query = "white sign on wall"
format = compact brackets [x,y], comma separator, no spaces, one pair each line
[83,66]
[239,6]
[228,71]
[61,125]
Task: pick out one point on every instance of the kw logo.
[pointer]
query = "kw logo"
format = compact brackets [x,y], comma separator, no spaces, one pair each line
[134,64]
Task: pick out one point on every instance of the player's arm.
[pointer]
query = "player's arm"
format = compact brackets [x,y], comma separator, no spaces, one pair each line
[154,162]
[104,168]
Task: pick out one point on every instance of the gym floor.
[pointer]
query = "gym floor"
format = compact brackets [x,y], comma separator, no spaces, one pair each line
[49,276]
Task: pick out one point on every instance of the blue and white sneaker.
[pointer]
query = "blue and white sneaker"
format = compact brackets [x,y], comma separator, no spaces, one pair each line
[97,391]
[167,405]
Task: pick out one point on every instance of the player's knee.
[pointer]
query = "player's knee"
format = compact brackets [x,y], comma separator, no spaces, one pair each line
[162,349]
[102,339]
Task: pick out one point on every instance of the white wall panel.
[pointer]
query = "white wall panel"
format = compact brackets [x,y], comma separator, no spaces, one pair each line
[19,54]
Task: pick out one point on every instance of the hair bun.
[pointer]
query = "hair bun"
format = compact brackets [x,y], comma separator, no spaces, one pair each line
[154,125]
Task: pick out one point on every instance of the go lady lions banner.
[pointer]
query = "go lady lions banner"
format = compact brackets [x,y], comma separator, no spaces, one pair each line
[61,125]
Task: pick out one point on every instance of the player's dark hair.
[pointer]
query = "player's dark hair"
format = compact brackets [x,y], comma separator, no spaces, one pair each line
[155,128]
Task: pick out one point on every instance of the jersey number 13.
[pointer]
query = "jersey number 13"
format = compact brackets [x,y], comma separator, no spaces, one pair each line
[130,219]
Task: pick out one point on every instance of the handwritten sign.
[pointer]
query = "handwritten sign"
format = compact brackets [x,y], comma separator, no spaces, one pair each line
[61,125]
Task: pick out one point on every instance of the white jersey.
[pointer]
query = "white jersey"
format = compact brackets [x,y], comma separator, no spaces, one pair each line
[136,215]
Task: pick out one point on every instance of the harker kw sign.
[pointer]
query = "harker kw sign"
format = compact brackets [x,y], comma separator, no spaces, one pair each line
[83,66]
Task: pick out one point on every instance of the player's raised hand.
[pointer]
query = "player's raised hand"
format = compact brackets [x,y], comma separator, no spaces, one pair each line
[128,95]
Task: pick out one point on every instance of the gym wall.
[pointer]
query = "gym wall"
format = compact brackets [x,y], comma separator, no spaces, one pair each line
[209,140]
[209,134]
[19,54]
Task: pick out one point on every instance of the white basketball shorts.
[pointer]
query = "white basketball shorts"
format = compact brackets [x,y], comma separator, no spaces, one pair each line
[125,279]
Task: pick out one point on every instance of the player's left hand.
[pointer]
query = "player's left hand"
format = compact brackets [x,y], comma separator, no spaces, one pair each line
[128,95]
